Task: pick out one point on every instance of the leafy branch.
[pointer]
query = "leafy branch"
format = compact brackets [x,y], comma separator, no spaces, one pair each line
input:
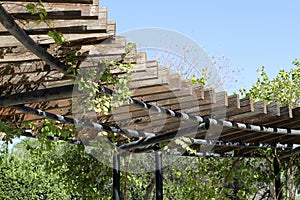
[39,9]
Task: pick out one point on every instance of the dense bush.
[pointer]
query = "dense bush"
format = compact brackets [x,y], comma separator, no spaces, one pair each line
[67,173]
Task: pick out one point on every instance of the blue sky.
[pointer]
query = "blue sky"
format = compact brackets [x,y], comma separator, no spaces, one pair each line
[249,33]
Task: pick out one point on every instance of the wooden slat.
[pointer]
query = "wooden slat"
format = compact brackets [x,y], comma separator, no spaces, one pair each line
[30,77]
[55,1]
[26,87]
[92,24]
[37,96]
[163,79]
[19,56]
[260,108]
[53,15]
[233,102]
[86,9]
[246,105]
[232,134]
[150,73]
[10,41]
[158,119]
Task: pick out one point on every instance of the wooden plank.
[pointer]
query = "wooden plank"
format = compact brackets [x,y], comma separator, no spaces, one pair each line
[209,98]
[157,92]
[272,113]
[166,93]
[95,24]
[111,46]
[234,102]
[15,89]
[269,138]
[198,91]
[148,91]
[21,117]
[19,55]
[86,9]
[286,115]
[37,96]
[237,135]
[90,24]
[35,77]
[23,67]
[258,108]
[165,123]
[111,28]
[50,106]
[163,79]
[246,105]
[54,1]
[10,41]
[63,30]
[152,98]
[143,116]
[150,73]
[222,98]
[272,139]
[53,15]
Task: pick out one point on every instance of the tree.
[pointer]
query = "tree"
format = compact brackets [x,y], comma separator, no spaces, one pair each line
[284,88]
[67,172]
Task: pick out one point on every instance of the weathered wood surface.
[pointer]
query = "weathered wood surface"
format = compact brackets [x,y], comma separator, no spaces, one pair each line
[57,1]
[24,77]
[86,9]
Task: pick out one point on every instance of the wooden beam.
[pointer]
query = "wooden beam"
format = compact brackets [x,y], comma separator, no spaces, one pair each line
[9,23]
[56,1]
[64,30]
[37,96]
[62,15]
[86,9]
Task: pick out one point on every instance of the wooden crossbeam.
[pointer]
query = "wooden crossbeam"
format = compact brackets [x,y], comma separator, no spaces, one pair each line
[50,94]
[57,1]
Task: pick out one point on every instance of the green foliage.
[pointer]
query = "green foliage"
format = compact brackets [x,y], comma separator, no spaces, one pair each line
[84,176]
[26,178]
[211,178]
[38,9]
[90,83]
[201,81]
[57,37]
[10,131]
[55,166]
[284,88]
[66,173]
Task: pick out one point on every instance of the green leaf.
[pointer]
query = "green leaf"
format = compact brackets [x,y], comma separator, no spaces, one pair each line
[56,36]
[31,8]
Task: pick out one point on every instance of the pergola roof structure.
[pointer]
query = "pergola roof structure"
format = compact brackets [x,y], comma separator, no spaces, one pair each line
[227,122]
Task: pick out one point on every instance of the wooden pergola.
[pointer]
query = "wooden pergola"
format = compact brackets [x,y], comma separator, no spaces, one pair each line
[35,85]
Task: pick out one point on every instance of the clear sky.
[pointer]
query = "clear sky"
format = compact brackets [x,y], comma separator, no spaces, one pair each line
[249,33]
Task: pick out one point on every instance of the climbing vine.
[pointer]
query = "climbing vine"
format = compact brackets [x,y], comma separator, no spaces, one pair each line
[92,83]
[202,178]
[39,10]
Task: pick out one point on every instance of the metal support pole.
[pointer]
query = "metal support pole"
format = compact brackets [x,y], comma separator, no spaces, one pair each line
[159,175]
[116,177]
[278,183]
